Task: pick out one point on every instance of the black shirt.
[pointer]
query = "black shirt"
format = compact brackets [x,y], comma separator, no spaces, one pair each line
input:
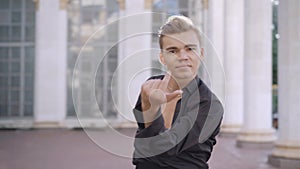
[189,142]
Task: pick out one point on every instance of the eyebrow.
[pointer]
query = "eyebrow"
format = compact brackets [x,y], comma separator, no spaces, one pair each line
[190,45]
[173,47]
[170,48]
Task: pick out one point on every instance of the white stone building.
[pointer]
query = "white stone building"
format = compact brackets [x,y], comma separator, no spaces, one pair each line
[80,63]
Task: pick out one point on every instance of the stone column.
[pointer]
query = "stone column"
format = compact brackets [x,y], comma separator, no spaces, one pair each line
[257,126]
[134,55]
[287,149]
[50,94]
[233,64]
[214,51]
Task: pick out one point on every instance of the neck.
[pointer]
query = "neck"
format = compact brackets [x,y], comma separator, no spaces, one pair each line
[176,84]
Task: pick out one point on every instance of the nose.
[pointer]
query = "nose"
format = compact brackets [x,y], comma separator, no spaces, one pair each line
[183,55]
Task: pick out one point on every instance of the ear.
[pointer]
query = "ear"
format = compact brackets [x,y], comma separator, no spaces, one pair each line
[161,58]
[202,53]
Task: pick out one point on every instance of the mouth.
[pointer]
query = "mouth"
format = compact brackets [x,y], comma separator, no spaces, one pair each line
[184,66]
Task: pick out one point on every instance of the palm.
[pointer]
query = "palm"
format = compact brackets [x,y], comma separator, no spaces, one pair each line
[154,92]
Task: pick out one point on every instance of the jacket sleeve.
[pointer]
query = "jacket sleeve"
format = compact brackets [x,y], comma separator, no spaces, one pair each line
[157,126]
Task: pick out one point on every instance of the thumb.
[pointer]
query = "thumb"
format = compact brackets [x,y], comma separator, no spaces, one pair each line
[173,95]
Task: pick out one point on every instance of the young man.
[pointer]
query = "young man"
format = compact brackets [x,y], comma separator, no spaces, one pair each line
[178,116]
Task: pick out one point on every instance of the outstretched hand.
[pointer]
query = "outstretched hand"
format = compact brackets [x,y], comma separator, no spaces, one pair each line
[154,93]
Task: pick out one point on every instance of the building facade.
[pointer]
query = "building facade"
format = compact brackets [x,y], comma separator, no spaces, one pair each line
[80,63]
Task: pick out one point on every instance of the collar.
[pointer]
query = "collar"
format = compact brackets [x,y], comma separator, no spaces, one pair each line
[192,86]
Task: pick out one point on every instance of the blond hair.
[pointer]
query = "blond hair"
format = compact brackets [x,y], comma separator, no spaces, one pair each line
[177,24]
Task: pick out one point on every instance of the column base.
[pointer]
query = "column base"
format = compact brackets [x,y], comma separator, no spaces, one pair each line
[256,138]
[284,163]
[47,125]
[286,155]
[230,130]
[251,145]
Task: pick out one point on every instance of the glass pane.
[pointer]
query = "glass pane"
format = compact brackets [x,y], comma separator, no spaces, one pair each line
[29,54]
[71,109]
[30,5]
[15,53]
[16,17]
[3,96]
[16,33]
[3,67]
[86,66]
[3,53]
[183,5]
[86,95]
[28,97]
[87,15]
[15,110]
[14,96]
[15,81]
[29,33]
[30,17]
[28,110]
[16,4]
[3,81]
[4,17]
[3,110]
[112,65]
[4,4]
[29,67]
[113,34]
[28,82]
[15,67]
[112,7]
[4,33]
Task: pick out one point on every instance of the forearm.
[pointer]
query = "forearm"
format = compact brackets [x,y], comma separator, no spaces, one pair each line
[168,111]
[149,113]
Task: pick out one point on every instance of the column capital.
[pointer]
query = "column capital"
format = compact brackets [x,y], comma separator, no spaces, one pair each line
[148,4]
[205,4]
[121,4]
[37,4]
[63,4]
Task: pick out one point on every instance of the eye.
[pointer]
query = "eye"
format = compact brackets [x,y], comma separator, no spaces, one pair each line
[173,51]
[191,49]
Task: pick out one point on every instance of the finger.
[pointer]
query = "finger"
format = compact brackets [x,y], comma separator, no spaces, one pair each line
[157,97]
[164,83]
[173,95]
[152,83]
[156,84]
[146,85]
[149,87]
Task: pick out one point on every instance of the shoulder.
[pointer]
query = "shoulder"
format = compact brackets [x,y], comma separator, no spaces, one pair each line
[205,96]
[205,92]
[209,96]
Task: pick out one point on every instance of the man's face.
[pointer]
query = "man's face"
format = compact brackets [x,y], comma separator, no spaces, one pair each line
[181,54]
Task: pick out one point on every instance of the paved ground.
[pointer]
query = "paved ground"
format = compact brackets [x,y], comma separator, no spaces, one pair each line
[74,149]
